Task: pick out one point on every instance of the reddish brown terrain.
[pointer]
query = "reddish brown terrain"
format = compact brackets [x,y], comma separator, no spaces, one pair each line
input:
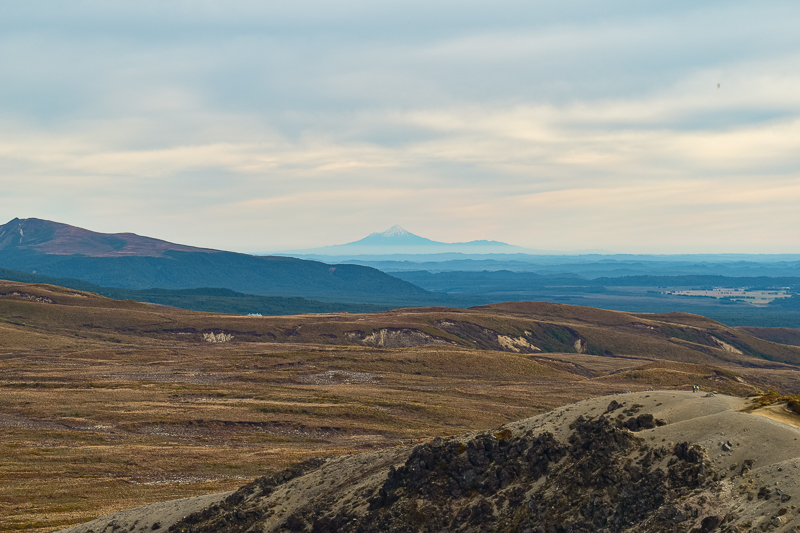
[54,238]
[106,404]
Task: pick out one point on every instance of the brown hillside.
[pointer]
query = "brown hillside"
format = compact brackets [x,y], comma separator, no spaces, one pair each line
[105,405]
[62,239]
[788,336]
[528,327]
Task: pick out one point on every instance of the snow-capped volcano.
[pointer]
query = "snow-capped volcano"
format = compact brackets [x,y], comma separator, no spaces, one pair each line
[394,236]
[394,231]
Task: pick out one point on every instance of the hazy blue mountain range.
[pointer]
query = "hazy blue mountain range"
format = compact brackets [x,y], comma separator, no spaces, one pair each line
[638,293]
[483,283]
[133,262]
[588,266]
[397,250]
[396,240]
[129,266]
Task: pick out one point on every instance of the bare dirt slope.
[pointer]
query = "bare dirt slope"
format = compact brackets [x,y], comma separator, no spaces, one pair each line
[646,461]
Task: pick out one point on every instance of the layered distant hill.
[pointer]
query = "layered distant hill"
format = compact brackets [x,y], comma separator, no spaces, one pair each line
[480,272]
[129,261]
[396,240]
[213,300]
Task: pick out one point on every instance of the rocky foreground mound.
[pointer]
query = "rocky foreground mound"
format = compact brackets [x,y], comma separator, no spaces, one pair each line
[642,462]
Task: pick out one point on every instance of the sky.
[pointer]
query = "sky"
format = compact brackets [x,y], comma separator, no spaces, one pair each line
[629,126]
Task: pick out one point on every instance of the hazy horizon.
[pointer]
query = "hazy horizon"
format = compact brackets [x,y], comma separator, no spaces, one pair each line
[631,127]
[492,248]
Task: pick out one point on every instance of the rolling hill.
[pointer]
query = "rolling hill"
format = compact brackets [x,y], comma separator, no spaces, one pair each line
[534,328]
[201,299]
[109,404]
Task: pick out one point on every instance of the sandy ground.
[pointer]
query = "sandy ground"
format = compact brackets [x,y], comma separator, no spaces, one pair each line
[711,420]
[153,517]
[781,414]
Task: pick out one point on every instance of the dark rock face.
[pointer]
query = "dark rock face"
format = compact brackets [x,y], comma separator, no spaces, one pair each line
[228,514]
[484,465]
[605,478]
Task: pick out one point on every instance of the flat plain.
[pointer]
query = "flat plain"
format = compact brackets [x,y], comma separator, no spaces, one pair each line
[106,405]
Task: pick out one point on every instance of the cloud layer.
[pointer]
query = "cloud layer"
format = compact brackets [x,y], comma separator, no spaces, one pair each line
[257,126]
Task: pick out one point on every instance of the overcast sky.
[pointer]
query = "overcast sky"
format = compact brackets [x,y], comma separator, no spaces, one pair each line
[631,126]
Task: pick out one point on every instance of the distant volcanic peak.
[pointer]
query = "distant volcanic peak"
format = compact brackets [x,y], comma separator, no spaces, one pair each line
[394,236]
[395,231]
[398,236]
[55,238]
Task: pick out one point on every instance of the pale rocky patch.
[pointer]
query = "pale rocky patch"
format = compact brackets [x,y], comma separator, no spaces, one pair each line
[515,343]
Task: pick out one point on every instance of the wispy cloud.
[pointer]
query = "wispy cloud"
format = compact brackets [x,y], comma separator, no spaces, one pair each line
[545,126]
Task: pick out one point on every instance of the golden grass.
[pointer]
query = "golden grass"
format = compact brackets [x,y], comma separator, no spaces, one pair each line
[107,405]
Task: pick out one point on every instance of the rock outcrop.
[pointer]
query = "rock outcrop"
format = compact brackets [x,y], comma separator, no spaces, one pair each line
[605,478]
[396,338]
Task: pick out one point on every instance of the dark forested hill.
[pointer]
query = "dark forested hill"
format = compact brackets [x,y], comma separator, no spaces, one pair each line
[202,299]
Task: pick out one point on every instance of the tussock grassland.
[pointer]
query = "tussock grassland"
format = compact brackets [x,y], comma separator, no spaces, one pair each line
[89,432]
[106,405]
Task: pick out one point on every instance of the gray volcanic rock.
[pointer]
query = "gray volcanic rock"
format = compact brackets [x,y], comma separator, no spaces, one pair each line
[654,463]
[505,483]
